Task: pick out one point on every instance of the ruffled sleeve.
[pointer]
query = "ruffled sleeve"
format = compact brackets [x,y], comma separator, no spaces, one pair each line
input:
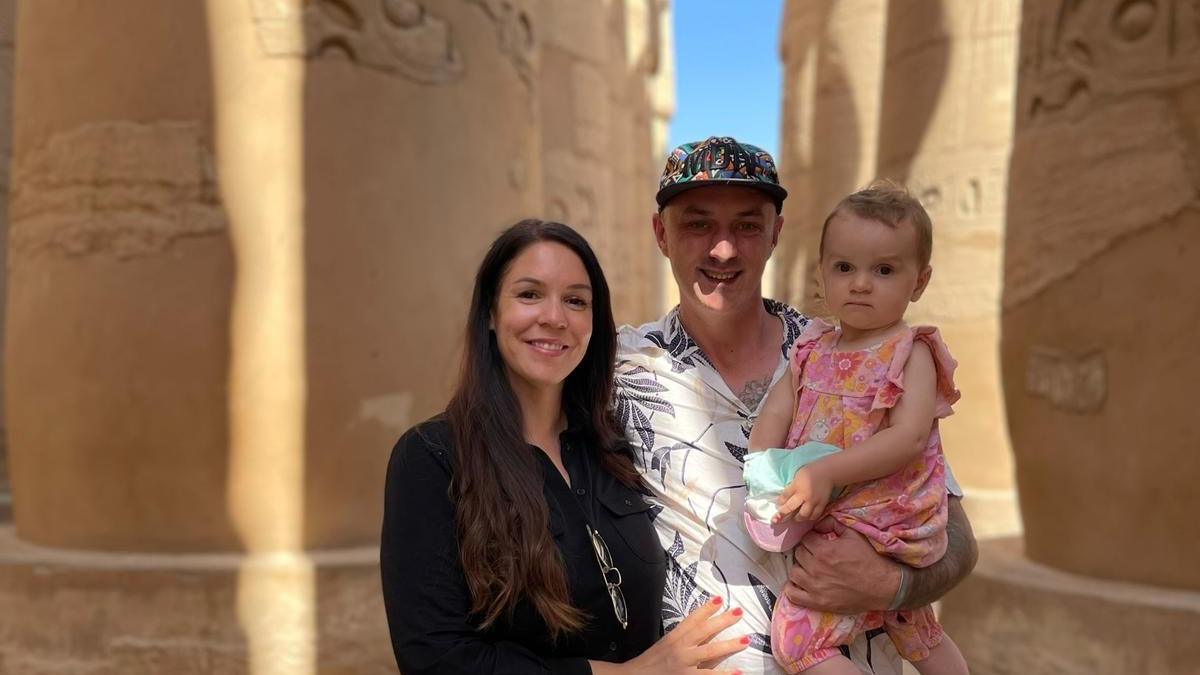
[893,386]
[804,345]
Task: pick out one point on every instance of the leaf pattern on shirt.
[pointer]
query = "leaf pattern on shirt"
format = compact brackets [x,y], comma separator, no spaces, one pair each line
[793,321]
[738,452]
[684,351]
[637,399]
[660,460]
[681,596]
[655,509]
[762,641]
[747,423]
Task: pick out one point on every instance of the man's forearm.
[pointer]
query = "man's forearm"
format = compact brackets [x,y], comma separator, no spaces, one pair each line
[930,583]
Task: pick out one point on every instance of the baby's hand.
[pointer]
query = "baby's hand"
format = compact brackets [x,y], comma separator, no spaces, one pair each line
[807,495]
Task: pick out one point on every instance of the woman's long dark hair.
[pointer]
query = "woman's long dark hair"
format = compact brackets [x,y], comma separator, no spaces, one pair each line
[502,517]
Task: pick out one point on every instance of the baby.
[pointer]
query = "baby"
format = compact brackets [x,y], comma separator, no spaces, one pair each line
[853,434]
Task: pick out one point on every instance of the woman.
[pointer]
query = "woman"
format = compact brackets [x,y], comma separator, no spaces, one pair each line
[515,535]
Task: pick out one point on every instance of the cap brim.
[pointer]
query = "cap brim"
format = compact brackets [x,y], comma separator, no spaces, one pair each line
[772,190]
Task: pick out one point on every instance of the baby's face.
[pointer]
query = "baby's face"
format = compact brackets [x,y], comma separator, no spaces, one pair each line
[870,271]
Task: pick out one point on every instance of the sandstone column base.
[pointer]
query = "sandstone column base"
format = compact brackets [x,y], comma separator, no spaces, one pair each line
[993,513]
[84,613]
[1015,616]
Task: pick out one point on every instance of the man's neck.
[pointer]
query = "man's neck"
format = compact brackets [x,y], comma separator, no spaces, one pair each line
[733,341]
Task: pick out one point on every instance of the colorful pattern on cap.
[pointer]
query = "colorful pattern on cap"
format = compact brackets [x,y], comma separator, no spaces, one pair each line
[720,158]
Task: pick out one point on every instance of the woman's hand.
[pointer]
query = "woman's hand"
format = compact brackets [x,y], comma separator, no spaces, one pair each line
[807,495]
[687,648]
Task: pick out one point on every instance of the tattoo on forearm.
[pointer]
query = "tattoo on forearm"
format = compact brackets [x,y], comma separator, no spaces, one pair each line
[931,583]
[752,394]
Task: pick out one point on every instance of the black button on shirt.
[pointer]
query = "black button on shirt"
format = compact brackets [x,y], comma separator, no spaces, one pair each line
[426,596]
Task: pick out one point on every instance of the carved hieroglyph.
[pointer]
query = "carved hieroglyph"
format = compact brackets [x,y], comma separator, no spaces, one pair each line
[123,189]
[401,37]
[1074,384]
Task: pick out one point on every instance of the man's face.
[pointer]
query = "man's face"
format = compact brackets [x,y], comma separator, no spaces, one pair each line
[718,239]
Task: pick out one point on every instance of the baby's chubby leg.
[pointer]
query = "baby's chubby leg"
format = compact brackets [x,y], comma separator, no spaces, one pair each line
[920,639]
[944,659]
[804,640]
[838,665]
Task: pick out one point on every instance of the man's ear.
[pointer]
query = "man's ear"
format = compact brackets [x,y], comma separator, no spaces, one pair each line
[660,231]
[775,234]
[922,282]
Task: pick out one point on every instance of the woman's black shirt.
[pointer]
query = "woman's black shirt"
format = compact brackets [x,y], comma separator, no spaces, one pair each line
[428,604]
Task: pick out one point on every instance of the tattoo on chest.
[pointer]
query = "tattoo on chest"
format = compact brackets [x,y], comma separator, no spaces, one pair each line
[753,392]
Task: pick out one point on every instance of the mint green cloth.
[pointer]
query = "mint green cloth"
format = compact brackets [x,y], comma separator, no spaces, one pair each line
[769,471]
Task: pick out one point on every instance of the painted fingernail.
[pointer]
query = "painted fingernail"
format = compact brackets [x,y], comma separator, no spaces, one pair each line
[737,611]
[745,640]
[717,600]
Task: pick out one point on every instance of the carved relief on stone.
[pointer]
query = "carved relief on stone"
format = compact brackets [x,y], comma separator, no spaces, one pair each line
[1073,384]
[570,194]
[122,189]
[399,37]
[1078,204]
[966,189]
[515,30]
[1072,51]
[590,108]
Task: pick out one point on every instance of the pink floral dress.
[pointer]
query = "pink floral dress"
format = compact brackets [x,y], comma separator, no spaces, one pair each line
[843,397]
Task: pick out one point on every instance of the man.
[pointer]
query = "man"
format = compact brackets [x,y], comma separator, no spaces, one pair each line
[689,388]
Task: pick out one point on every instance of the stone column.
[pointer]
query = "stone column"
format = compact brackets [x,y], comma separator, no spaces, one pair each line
[945,130]
[646,108]
[1099,287]
[8,11]
[1098,313]
[598,106]
[422,140]
[243,236]
[833,60]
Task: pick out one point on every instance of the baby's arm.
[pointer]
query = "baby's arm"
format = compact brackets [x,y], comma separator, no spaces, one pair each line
[775,416]
[884,453]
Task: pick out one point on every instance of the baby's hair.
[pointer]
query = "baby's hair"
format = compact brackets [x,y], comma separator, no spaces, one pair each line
[891,204]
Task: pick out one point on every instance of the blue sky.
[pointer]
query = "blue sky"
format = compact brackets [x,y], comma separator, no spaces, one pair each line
[727,71]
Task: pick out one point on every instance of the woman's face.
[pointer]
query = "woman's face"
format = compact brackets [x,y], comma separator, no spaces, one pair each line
[543,316]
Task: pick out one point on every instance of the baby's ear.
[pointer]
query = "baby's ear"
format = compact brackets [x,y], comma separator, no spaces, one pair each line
[922,282]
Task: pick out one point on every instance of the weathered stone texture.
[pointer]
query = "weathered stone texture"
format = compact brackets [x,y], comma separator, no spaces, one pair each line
[8,11]
[398,37]
[1016,617]
[89,614]
[119,279]
[1099,298]
[114,188]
